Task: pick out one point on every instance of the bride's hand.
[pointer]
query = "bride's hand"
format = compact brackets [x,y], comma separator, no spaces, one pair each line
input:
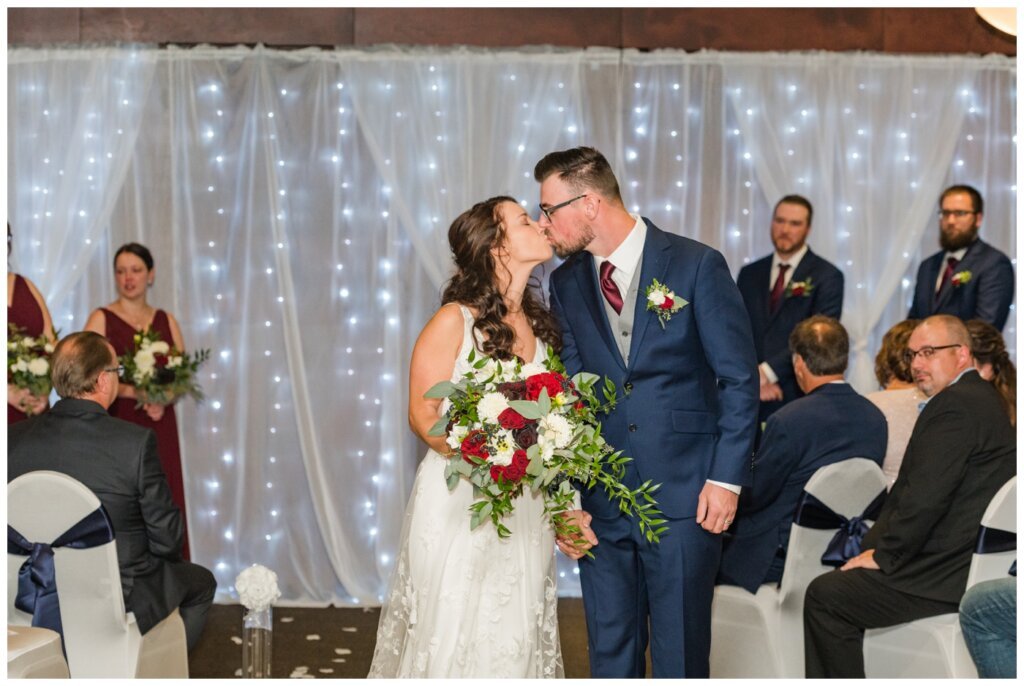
[577,548]
[154,410]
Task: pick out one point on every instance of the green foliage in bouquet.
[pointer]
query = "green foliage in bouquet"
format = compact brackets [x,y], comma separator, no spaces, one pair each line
[512,426]
[28,361]
[159,371]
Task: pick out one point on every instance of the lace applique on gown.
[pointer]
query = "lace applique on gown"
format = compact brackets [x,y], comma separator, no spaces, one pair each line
[465,603]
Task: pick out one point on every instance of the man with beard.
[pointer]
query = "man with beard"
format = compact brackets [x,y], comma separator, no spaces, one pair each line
[969,278]
[660,316]
[780,291]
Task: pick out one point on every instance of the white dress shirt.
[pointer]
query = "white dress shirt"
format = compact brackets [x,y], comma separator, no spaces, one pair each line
[793,263]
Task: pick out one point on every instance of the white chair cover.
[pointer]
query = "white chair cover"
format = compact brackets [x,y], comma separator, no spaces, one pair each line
[34,653]
[762,635]
[934,647]
[101,640]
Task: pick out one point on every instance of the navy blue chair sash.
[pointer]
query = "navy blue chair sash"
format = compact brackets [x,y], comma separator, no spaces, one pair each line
[991,540]
[37,579]
[814,514]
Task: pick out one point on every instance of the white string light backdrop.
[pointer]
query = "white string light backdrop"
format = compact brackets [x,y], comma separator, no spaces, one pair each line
[297,204]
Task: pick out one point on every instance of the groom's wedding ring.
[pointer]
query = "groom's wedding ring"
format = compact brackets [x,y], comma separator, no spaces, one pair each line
[728,521]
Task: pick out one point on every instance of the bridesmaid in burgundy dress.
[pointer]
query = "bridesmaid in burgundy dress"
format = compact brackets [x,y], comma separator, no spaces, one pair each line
[27,309]
[119,322]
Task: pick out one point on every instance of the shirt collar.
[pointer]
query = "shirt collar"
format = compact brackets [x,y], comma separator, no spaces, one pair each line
[626,257]
[793,261]
[921,405]
[958,255]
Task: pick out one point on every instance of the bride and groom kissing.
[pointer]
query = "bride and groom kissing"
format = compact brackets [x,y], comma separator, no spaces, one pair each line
[467,603]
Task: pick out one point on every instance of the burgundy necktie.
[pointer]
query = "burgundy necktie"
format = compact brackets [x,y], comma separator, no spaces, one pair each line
[780,285]
[608,287]
[947,276]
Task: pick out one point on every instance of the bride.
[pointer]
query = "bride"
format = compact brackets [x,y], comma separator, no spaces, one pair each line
[465,603]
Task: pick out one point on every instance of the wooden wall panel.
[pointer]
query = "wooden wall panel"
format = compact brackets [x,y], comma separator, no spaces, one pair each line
[754,29]
[893,30]
[222,26]
[504,27]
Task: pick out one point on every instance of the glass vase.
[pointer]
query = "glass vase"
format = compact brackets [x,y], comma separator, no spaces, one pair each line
[257,638]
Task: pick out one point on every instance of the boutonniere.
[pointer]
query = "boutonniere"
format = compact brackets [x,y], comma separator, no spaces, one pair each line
[960,278]
[799,289]
[663,302]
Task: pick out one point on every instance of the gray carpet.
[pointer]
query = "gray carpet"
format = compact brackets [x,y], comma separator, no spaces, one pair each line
[337,642]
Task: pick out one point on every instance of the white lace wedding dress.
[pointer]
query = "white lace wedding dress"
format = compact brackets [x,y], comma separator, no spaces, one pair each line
[465,603]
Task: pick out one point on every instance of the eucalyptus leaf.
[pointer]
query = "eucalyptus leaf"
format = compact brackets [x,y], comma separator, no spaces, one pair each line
[442,389]
[527,408]
[440,427]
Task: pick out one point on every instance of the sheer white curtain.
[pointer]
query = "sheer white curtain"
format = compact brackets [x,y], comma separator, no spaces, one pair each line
[297,204]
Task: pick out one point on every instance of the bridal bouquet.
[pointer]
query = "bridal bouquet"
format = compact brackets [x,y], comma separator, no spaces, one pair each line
[28,361]
[161,372]
[513,426]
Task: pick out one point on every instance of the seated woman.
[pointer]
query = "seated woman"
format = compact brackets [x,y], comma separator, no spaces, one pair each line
[993,363]
[900,398]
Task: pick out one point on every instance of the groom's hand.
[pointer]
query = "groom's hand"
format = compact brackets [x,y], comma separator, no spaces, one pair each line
[716,508]
[577,548]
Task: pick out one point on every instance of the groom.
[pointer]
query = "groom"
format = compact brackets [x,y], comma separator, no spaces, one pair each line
[686,412]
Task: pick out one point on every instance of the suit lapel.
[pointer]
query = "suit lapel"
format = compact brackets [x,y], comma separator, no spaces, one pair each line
[972,255]
[654,265]
[590,292]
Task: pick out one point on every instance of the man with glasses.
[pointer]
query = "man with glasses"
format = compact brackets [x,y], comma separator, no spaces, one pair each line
[917,555]
[969,278]
[118,461]
[660,316]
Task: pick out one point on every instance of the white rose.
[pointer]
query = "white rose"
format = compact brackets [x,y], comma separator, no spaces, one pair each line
[160,347]
[20,366]
[657,297]
[12,345]
[531,368]
[145,360]
[257,587]
[173,362]
[49,347]
[556,430]
[490,406]
[457,436]
[39,367]
[28,341]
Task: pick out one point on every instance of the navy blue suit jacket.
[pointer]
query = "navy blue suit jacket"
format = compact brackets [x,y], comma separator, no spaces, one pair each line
[687,403]
[986,296]
[771,331]
[830,424]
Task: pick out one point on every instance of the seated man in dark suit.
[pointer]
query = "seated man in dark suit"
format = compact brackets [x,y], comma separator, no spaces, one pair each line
[832,422]
[118,461]
[780,291]
[917,555]
[968,278]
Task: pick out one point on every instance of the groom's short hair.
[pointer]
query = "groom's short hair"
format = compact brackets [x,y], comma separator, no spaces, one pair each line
[580,168]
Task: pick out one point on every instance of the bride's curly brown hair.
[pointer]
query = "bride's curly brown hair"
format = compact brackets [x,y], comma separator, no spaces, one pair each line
[472,236]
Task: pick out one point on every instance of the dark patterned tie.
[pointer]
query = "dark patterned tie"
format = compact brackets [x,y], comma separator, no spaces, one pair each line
[780,285]
[947,276]
[608,287]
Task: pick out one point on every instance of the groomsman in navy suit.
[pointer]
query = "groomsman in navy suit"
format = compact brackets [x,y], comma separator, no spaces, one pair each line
[968,278]
[683,364]
[780,291]
[832,422]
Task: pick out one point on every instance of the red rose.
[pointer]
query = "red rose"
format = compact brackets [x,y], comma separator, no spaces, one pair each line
[553,381]
[513,390]
[473,445]
[160,360]
[526,436]
[667,303]
[513,471]
[798,291]
[510,419]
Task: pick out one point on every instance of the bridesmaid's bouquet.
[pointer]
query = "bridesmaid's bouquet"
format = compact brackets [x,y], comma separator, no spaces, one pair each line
[513,426]
[28,361]
[159,371]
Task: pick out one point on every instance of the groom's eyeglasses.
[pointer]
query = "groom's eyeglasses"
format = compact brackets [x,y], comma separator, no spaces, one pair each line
[548,211]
